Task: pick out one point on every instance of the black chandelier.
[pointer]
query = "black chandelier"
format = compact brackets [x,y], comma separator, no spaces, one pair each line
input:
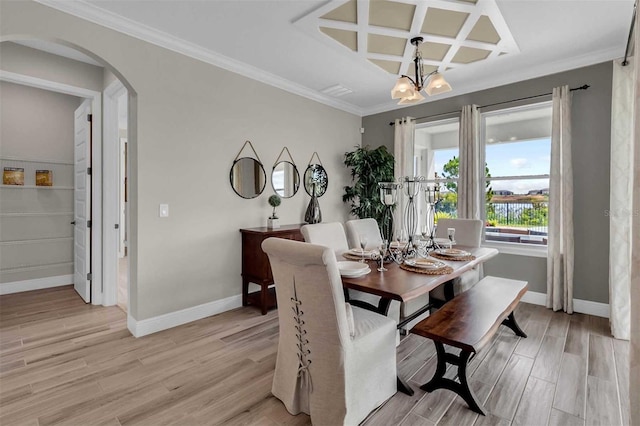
[408,90]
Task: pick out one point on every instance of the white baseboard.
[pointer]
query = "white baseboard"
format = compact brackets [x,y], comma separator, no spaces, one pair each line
[35,284]
[582,306]
[173,319]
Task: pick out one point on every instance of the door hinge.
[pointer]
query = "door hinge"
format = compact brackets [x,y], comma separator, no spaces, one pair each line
[89,170]
[88,224]
[117,226]
[89,117]
[89,276]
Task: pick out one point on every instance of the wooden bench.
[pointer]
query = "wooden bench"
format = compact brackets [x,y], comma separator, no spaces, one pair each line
[469,321]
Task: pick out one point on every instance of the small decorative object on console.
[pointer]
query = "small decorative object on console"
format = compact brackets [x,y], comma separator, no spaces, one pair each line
[273,221]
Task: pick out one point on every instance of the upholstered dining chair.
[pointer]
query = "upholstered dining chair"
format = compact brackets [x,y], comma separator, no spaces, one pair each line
[335,362]
[367,228]
[469,234]
[333,236]
[330,234]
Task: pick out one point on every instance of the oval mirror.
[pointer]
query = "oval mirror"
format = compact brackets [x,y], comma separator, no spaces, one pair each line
[248,177]
[316,174]
[285,179]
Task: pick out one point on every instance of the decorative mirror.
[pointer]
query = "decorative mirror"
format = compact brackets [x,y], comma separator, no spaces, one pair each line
[315,174]
[285,178]
[247,175]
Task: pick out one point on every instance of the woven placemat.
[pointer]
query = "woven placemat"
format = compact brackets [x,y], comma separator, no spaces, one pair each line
[453,258]
[440,271]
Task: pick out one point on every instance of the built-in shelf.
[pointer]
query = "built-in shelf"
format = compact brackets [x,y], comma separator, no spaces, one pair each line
[26,268]
[39,214]
[29,160]
[66,188]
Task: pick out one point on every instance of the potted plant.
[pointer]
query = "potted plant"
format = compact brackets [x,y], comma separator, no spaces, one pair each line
[368,167]
[273,221]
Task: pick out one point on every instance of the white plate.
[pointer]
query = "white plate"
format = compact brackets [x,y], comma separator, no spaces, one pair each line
[355,274]
[359,252]
[427,263]
[453,252]
[350,267]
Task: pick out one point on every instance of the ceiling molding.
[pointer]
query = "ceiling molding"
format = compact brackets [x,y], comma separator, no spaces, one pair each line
[89,12]
[540,70]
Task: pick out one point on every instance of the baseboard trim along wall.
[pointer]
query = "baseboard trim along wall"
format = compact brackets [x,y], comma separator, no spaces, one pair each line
[35,284]
[582,306]
[174,319]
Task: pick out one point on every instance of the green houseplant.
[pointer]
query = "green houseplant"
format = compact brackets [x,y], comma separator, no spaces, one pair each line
[274,201]
[368,167]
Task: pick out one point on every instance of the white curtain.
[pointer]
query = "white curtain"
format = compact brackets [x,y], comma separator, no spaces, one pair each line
[634,362]
[560,240]
[403,147]
[621,204]
[471,180]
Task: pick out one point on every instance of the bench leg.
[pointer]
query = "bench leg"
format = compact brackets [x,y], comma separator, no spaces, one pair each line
[510,322]
[440,382]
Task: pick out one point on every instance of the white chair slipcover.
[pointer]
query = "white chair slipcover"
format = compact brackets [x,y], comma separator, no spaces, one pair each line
[330,234]
[367,228]
[468,234]
[333,236]
[335,362]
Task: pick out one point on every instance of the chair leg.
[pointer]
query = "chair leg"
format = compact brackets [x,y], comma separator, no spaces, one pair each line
[440,382]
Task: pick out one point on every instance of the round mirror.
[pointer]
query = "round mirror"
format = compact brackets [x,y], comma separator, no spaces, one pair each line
[285,179]
[248,177]
[316,174]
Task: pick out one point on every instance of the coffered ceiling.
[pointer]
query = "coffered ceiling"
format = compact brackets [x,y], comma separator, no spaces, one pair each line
[348,53]
[455,33]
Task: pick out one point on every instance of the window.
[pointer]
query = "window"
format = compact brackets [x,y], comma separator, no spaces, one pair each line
[518,157]
[436,153]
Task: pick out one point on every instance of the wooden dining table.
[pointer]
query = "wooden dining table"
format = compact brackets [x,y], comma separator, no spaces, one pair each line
[403,285]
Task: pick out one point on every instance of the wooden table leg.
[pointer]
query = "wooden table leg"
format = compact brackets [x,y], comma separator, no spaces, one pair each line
[245,291]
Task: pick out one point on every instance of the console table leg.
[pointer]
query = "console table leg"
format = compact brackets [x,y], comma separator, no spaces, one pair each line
[264,298]
[245,291]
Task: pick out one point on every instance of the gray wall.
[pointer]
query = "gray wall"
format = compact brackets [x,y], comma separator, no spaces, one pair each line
[189,119]
[591,122]
[36,132]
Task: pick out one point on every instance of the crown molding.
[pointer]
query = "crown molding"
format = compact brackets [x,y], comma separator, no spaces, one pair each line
[540,70]
[89,12]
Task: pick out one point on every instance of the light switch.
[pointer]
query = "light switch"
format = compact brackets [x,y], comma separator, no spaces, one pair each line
[164,210]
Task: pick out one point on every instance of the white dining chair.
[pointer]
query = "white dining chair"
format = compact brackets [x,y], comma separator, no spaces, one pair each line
[367,228]
[330,234]
[333,236]
[335,362]
[398,311]
[468,233]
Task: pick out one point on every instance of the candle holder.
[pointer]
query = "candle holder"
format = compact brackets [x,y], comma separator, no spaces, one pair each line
[412,186]
[432,198]
[389,198]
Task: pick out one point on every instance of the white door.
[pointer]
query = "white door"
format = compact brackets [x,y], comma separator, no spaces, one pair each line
[82,202]
[122,187]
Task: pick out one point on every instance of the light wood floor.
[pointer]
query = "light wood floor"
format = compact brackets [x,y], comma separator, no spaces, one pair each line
[64,362]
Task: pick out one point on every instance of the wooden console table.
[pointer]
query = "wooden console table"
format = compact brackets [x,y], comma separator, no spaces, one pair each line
[255,264]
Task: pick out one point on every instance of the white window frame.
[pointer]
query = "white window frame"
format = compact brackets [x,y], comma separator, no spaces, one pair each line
[520,249]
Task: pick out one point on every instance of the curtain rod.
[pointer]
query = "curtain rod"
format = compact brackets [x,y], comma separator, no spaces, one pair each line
[583,87]
[630,38]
